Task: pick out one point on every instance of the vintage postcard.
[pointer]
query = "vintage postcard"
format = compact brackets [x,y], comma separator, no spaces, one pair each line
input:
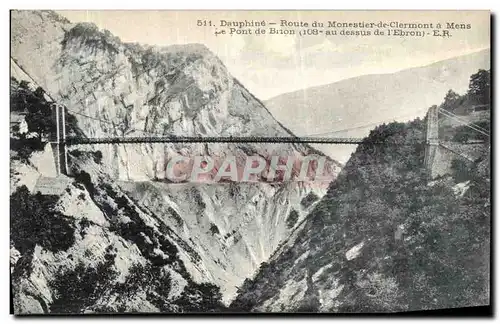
[249,161]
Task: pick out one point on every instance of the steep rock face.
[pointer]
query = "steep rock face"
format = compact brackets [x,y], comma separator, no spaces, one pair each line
[109,254]
[222,231]
[232,227]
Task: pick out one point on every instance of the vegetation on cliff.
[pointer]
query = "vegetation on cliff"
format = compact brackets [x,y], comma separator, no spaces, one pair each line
[419,244]
[33,221]
[38,114]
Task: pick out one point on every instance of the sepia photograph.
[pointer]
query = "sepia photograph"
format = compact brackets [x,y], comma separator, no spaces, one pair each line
[246,162]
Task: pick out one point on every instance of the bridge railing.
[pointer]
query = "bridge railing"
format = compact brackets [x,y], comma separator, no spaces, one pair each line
[212,139]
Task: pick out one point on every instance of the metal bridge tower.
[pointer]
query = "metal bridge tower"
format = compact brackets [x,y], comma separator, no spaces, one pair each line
[58,140]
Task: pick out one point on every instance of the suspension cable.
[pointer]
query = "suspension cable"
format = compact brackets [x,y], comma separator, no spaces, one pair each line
[465,124]
[463,120]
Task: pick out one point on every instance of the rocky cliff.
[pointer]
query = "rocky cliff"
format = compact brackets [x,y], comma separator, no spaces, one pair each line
[124,223]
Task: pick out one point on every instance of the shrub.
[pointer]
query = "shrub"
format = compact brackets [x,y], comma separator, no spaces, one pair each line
[309,199]
[154,281]
[178,219]
[77,289]
[25,147]
[85,179]
[84,224]
[461,170]
[214,229]
[202,297]
[95,155]
[292,218]
[465,133]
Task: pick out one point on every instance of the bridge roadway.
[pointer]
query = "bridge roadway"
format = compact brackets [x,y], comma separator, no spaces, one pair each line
[214,139]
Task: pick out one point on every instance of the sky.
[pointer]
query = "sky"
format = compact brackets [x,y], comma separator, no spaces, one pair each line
[269,65]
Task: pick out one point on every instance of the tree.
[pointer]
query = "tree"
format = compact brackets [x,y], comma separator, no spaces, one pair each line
[34,221]
[451,101]
[292,218]
[461,170]
[214,229]
[39,93]
[24,84]
[479,87]
[80,288]
[41,121]
[39,113]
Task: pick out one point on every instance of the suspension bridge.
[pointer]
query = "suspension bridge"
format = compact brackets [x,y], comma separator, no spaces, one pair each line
[434,146]
[433,152]
[61,140]
[150,137]
[212,139]
[436,150]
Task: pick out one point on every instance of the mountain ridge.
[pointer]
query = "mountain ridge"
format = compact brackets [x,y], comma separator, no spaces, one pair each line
[480,51]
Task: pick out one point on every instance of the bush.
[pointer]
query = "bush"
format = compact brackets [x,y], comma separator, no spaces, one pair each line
[77,289]
[25,147]
[95,155]
[178,219]
[202,297]
[214,229]
[85,179]
[155,282]
[84,224]
[461,170]
[308,200]
[292,218]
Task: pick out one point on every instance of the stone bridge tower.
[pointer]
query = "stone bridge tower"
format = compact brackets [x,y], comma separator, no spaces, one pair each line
[431,137]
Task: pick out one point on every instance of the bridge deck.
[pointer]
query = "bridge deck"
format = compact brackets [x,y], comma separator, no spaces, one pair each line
[218,139]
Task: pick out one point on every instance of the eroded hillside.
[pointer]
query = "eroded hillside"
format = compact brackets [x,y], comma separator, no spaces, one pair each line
[198,239]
